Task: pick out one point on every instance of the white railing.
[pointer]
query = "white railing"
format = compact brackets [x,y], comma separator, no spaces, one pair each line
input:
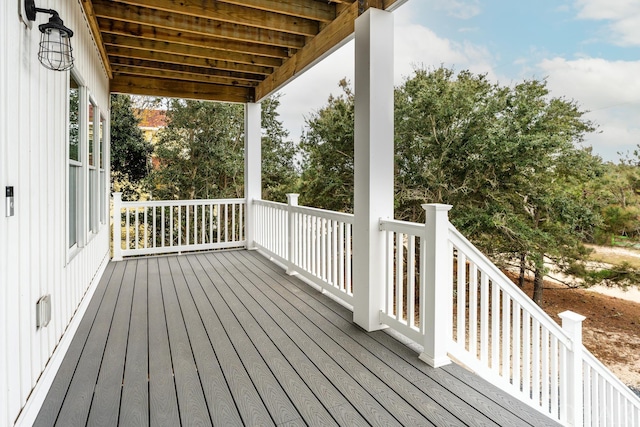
[602,389]
[492,327]
[314,243]
[175,226]
[404,282]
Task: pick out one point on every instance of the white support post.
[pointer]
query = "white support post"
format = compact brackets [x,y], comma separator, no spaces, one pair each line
[572,325]
[292,200]
[117,227]
[252,167]
[373,161]
[438,298]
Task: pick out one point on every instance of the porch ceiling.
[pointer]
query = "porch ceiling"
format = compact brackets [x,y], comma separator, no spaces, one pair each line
[222,50]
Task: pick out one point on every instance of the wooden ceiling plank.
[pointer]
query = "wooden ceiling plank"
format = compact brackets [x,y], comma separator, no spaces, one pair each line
[179,89]
[150,55]
[191,39]
[194,51]
[95,31]
[234,14]
[155,18]
[310,9]
[147,72]
[168,67]
[332,35]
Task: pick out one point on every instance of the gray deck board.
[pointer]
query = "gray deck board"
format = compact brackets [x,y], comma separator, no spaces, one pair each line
[191,401]
[134,409]
[108,388]
[227,338]
[58,391]
[163,401]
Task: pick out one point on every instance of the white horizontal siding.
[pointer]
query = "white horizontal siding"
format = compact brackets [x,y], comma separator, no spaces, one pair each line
[33,159]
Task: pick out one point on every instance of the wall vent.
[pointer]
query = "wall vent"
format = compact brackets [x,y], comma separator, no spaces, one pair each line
[43,311]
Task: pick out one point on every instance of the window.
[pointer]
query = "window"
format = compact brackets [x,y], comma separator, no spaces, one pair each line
[75,163]
[103,176]
[92,188]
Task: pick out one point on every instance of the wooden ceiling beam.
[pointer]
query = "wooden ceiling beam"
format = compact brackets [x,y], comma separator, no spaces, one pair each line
[247,78]
[97,36]
[191,39]
[332,35]
[179,89]
[174,21]
[310,9]
[117,41]
[149,55]
[234,14]
[175,75]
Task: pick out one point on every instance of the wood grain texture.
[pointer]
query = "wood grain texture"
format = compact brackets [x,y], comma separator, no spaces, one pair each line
[134,409]
[55,398]
[163,402]
[222,408]
[191,401]
[106,400]
[227,338]
[307,405]
[74,412]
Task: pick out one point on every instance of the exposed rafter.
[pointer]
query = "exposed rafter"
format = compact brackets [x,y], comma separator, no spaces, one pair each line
[225,50]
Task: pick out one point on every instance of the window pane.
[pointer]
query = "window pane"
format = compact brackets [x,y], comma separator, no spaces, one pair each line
[74,122]
[91,135]
[73,205]
[93,182]
[103,199]
[101,159]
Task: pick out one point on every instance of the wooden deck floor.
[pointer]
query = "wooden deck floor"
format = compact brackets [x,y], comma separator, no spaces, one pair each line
[228,339]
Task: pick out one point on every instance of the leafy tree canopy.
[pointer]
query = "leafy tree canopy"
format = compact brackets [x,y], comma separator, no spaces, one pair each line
[130,153]
[201,152]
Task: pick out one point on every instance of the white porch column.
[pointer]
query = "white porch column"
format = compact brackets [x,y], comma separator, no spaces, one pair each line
[373,162]
[438,285]
[252,166]
[117,226]
[572,325]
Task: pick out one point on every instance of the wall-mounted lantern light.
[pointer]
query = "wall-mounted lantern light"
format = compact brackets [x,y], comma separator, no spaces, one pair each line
[55,41]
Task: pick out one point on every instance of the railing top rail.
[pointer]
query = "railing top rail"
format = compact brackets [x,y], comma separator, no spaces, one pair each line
[507,285]
[406,227]
[195,202]
[611,378]
[338,216]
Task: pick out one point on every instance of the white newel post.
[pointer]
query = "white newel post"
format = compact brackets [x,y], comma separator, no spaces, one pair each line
[252,167]
[438,299]
[292,200]
[117,227]
[572,325]
[373,161]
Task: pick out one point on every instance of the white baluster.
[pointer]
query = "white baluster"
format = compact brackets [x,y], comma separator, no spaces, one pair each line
[117,226]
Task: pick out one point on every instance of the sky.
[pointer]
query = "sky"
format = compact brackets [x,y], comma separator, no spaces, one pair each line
[587,50]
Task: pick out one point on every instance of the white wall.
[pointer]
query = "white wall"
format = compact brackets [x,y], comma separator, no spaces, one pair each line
[33,159]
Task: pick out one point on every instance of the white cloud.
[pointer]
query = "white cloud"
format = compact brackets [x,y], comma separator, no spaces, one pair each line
[623,18]
[610,90]
[461,9]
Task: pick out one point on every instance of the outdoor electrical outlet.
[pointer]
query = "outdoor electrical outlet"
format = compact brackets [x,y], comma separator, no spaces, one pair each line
[9,201]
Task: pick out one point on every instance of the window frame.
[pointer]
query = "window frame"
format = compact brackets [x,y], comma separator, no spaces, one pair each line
[92,174]
[73,248]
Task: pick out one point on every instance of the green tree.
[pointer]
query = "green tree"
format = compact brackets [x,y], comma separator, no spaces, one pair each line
[201,152]
[505,157]
[130,153]
[279,170]
[327,146]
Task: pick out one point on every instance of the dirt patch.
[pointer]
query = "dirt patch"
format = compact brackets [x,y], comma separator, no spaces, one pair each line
[611,331]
